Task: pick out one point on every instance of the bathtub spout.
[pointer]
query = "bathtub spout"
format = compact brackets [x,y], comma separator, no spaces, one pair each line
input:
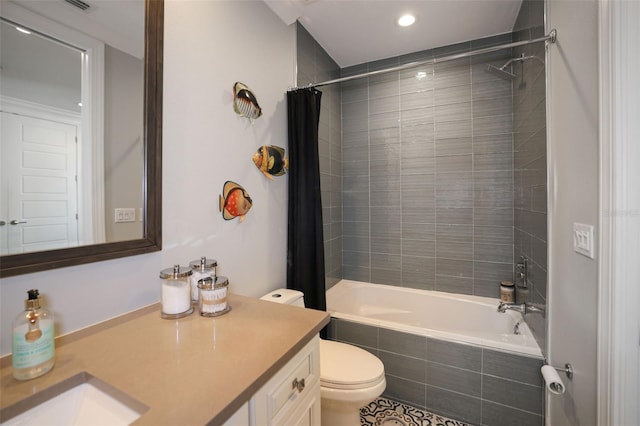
[503,307]
[535,308]
[524,308]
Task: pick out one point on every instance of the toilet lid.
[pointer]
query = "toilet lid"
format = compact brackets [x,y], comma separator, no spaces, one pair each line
[347,365]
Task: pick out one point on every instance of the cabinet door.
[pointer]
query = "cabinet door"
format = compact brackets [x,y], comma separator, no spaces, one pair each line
[307,414]
[290,388]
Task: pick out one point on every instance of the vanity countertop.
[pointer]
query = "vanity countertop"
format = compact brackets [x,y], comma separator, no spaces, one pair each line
[194,370]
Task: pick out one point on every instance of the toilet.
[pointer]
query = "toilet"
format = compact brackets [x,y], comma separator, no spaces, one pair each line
[350,377]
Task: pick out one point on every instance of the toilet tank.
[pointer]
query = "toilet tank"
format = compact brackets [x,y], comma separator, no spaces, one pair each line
[286,296]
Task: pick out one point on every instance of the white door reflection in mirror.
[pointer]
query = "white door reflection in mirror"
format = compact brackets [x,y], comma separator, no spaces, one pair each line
[39,165]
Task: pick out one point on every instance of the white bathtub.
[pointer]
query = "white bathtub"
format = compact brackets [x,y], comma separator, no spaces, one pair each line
[447,316]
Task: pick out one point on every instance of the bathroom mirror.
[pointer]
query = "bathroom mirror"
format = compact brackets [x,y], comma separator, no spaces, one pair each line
[148,213]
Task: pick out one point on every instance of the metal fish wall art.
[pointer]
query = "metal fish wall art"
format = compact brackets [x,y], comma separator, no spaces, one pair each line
[234,201]
[245,103]
[271,160]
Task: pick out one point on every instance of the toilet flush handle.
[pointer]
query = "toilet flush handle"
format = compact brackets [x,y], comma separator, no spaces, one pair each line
[298,384]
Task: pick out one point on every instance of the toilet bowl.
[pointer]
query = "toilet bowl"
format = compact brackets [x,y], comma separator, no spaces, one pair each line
[350,377]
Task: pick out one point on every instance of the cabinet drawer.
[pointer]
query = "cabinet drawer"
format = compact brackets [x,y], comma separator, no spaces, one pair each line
[282,396]
[293,386]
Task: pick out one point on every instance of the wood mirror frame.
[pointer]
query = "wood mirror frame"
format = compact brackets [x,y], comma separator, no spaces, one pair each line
[17,264]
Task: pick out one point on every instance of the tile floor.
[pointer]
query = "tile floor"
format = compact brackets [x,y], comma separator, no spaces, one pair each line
[386,412]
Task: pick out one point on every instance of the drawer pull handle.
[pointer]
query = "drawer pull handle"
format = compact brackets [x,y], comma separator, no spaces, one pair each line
[298,384]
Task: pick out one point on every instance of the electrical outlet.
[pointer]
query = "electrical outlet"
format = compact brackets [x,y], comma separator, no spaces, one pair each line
[583,239]
[125,215]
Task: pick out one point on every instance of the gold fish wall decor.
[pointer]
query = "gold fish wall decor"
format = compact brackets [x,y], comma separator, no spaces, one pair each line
[271,161]
[245,103]
[234,201]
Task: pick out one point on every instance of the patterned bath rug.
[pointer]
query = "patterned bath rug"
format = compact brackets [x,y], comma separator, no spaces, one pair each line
[386,412]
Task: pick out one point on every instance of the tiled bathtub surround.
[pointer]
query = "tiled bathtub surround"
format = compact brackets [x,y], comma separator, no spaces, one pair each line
[469,383]
[430,195]
[530,159]
[428,173]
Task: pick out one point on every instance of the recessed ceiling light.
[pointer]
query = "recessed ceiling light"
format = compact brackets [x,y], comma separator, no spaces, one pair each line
[406,20]
[79,104]
[22,30]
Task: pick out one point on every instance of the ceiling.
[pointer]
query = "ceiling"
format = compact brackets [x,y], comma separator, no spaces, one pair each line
[118,23]
[358,31]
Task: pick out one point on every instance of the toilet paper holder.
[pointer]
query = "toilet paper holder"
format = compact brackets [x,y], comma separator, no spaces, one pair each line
[568,370]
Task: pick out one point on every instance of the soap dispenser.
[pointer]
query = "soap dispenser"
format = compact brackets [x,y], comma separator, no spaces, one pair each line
[33,332]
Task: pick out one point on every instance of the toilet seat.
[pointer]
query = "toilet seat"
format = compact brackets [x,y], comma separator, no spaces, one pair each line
[348,367]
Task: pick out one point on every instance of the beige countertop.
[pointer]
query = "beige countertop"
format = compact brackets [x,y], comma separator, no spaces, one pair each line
[190,371]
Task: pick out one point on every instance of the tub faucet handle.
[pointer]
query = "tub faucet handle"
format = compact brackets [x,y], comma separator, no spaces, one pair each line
[522,271]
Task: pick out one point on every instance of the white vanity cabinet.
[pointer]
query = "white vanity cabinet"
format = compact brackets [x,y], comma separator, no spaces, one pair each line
[290,398]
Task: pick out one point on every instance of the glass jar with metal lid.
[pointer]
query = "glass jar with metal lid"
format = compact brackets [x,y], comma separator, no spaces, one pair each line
[213,296]
[507,292]
[202,268]
[176,292]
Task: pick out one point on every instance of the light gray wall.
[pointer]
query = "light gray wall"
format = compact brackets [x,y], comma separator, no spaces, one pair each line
[573,197]
[123,150]
[428,173]
[204,144]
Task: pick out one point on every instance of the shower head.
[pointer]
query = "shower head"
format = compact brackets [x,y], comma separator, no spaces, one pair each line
[501,72]
[507,75]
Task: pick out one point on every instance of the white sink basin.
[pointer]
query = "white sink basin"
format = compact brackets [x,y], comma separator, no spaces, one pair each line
[80,400]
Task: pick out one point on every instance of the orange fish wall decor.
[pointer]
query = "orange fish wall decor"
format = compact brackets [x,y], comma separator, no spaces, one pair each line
[234,201]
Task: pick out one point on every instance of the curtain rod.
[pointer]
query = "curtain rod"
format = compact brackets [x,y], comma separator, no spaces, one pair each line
[550,37]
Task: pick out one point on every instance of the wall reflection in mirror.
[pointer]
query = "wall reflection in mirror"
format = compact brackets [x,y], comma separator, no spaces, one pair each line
[71,99]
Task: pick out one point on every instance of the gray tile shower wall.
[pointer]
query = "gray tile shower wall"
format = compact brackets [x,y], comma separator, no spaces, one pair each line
[477,385]
[530,160]
[435,177]
[315,65]
[428,173]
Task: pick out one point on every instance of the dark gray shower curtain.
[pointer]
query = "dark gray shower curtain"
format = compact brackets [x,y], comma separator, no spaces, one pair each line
[305,245]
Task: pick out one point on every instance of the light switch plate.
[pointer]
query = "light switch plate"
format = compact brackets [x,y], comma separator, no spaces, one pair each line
[583,239]
[125,215]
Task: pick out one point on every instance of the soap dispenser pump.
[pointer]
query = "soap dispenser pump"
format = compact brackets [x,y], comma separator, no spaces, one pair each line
[33,347]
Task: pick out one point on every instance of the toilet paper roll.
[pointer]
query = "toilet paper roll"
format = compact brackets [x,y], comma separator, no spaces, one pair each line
[552,379]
